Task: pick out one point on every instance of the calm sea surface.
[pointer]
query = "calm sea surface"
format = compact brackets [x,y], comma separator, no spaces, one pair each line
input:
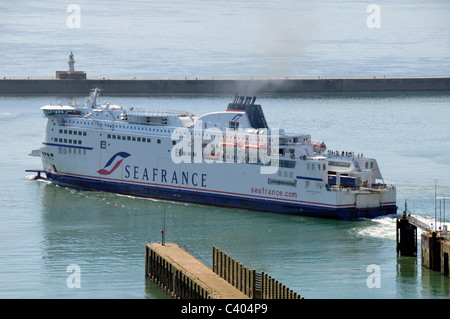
[45,228]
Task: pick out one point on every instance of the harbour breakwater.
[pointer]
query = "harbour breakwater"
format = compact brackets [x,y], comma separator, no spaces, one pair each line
[243,86]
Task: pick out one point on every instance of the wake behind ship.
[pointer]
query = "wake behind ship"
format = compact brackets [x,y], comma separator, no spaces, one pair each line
[230,158]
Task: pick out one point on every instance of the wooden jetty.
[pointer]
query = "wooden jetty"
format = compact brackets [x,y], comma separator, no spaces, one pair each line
[257,285]
[184,277]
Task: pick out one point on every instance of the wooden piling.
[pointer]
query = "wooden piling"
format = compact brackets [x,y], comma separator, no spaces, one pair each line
[254,284]
[431,251]
[445,262]
[436,251]
[406,237]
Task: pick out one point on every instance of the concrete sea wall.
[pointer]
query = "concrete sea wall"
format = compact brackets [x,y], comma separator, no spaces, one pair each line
[241,86]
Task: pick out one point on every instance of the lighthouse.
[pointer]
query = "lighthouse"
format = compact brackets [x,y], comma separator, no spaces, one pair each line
[71,74]
[71,62]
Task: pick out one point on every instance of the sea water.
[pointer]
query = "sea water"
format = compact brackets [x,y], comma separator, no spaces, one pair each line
[52,235]
[236,39]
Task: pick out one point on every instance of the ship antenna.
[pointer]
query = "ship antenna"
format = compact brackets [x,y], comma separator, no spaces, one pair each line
[93,97]
[406,209]
[435,206]
[163,230]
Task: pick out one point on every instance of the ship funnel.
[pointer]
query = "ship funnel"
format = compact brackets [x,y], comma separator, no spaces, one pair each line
[254,111]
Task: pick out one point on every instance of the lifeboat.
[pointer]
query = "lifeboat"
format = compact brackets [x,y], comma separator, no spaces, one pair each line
[257,147]
[226,144]
[319,147]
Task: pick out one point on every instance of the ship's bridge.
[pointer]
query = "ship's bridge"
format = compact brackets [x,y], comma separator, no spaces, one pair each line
[53,110]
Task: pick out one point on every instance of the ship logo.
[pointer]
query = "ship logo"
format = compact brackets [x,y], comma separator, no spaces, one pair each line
[235,118]
[234,123]
[117,159]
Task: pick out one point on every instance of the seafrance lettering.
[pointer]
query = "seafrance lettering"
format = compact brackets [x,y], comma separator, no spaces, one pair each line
[161,175]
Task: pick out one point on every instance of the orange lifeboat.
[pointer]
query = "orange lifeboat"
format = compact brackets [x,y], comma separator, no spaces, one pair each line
[319,147]
[253,146]
[226,144]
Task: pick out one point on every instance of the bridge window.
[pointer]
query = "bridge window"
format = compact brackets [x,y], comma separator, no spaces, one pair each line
[340,164]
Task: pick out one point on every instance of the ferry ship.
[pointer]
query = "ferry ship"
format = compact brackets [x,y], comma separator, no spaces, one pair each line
[230,158]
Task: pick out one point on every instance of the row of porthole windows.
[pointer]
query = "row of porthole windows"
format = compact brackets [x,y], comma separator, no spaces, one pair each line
[48,155]
[65,140]
[72,132]
[142,128]
[132,138]
[123,126]
[69,150]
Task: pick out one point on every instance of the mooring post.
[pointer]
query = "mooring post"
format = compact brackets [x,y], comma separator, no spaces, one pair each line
[406,236]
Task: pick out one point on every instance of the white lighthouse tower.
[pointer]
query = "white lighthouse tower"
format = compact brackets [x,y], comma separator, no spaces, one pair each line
[71,62]
[71,74]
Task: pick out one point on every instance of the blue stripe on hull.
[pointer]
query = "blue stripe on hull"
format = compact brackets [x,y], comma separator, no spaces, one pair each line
[220,199]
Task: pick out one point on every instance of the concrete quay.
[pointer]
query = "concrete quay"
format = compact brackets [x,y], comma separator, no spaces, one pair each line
[227,86]
[436,251]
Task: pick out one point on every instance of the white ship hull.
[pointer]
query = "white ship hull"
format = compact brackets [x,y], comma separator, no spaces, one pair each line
[138,159]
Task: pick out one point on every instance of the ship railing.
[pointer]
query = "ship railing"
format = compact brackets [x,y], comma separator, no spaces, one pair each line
[342,188]
[346,155]
[162,113]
